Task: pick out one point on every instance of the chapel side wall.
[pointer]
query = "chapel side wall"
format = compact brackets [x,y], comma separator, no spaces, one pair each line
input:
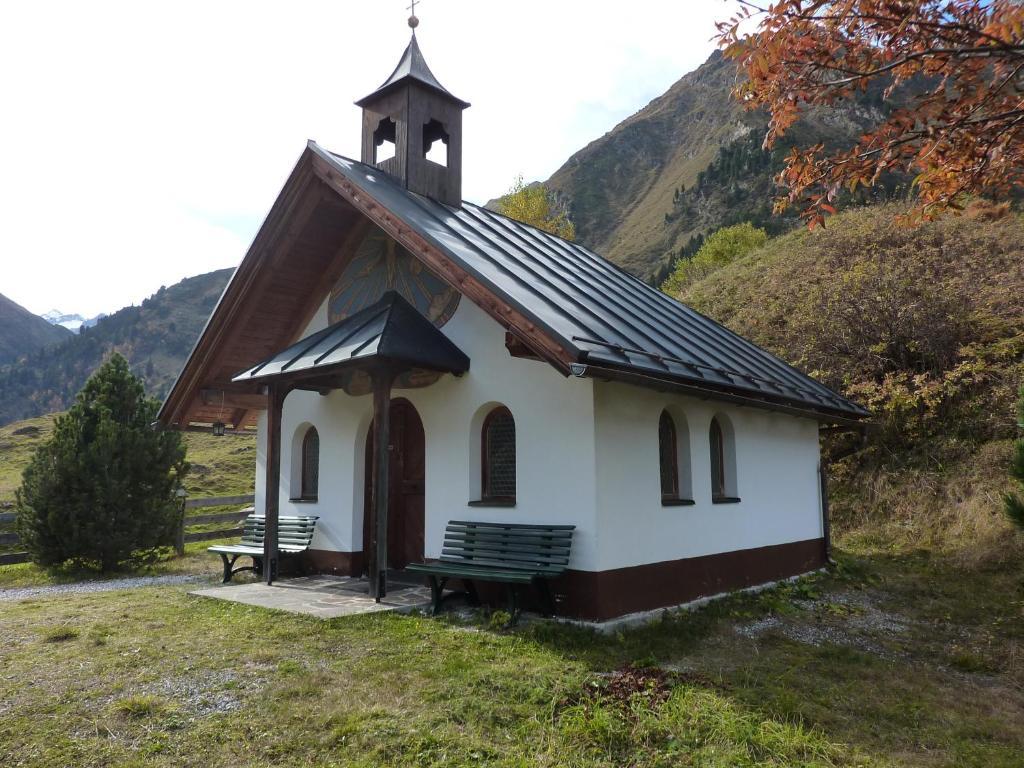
[338,419]
[555,452]
[776,459]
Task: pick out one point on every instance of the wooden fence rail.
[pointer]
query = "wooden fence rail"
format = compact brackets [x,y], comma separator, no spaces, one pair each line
[11,538]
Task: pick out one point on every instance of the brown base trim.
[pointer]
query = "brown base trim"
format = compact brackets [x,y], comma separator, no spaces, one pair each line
[326,561]
[602,595]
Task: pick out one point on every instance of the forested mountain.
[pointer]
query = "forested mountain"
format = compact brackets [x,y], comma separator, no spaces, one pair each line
[686,164]
[155,337]
[21,332]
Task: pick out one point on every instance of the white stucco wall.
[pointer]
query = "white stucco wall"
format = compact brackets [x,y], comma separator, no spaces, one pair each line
[776,476]
[587,454]
[555,456]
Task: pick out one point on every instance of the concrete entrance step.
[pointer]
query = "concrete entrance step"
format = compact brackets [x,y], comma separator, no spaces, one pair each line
[325,597]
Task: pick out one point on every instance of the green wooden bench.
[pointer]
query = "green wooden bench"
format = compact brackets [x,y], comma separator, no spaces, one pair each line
[294,535]
[513,554]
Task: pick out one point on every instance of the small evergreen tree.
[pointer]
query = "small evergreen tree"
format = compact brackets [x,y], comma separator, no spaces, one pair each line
[1014,503]
[101,491]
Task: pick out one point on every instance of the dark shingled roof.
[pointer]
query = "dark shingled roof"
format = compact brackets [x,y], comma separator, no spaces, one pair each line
[390,329]
[607,318]
[412,66]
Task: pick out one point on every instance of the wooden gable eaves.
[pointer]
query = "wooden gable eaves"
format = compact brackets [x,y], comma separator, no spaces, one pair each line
[264,306]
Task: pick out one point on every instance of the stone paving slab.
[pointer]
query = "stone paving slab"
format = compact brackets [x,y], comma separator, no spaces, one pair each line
[325,597]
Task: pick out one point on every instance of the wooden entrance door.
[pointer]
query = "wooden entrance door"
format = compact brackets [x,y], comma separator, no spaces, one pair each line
[406,485]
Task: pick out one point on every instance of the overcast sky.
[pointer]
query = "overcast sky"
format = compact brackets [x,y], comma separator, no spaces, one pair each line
[141,143]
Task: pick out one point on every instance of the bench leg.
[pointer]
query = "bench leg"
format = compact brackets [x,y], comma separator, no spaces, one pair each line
[227,566]
[513,604]
[436,592]
[547,599]
[471,593]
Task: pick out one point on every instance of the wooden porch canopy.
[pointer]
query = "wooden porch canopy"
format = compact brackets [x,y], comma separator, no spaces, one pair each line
[384,340]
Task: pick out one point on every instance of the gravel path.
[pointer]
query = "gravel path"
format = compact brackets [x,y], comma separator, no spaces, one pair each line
[82,587]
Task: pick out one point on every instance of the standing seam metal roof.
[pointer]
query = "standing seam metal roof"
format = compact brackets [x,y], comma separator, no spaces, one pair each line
[390,329]
[412,66]
[603,314]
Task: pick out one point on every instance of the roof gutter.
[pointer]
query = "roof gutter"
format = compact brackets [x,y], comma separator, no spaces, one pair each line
[583,370]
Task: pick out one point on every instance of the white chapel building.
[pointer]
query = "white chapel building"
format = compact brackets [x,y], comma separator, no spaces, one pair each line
[525,379]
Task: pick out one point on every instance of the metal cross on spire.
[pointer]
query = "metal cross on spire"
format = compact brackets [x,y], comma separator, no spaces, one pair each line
[413,21]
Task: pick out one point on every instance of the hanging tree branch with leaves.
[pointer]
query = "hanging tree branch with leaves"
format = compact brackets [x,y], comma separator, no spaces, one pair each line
[962,134]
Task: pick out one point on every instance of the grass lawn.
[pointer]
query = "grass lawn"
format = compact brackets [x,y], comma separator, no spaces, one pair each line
[905,661]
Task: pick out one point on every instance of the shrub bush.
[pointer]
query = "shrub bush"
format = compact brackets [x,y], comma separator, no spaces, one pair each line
[723,247]
[100,492]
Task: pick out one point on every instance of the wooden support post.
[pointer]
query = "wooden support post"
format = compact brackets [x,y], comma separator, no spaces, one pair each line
[377,557]
[276,394]
[179,537]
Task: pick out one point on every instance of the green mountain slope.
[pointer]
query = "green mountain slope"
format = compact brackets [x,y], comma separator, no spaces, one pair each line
[683,166]
[155,337]
[925,326]
[21,332]
[220,466]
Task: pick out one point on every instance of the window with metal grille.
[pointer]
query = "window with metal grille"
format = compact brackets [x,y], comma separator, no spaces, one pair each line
[499,455]
[310,464]
[668,457]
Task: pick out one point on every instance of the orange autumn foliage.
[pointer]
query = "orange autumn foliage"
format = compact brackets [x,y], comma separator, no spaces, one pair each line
[962,132]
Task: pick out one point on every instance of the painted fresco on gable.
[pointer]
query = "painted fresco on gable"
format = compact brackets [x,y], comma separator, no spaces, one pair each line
[380,264]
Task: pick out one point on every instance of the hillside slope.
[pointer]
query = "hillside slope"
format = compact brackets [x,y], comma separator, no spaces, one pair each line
[219,466]
[21,332]
[925,326]
[155,337]
[683,166]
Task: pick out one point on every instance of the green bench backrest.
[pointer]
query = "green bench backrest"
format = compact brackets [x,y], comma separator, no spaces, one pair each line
[296,531]
[515,546]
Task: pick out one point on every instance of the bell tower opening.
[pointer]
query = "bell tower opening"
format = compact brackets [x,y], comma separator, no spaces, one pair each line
[384,141]
[412,129]
[435,143]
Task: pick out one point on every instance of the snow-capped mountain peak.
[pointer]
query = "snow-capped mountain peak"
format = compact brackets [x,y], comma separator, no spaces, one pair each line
[71,322]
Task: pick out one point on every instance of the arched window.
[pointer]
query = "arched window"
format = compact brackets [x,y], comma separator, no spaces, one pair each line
[674,459]
[669,461]
[723,461]
[498,456]
[310,465]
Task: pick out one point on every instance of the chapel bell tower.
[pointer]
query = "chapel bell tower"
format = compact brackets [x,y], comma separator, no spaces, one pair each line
[412,129]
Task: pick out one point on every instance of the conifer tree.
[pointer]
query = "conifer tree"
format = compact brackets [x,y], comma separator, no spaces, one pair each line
[100,492]
[1014,502]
